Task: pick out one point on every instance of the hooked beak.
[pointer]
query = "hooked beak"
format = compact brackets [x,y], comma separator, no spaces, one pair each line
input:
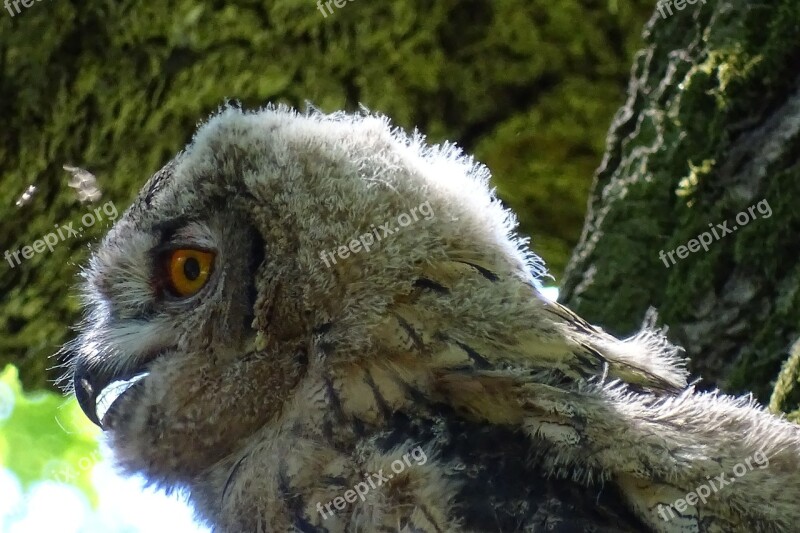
[97,390]
[88,385]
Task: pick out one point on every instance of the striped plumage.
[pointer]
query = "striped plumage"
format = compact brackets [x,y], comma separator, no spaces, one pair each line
[290,378]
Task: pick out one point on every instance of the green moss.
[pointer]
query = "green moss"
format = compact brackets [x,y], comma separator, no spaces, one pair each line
[117,87]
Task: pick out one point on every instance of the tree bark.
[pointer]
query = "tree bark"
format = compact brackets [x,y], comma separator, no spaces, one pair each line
[710,130]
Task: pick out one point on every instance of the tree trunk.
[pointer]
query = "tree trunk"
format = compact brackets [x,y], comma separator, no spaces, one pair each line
[706,147]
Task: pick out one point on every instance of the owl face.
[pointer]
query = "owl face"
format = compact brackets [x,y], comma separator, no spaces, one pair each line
[168,351]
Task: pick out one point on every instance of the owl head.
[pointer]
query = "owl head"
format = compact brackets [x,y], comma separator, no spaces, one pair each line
[266,251]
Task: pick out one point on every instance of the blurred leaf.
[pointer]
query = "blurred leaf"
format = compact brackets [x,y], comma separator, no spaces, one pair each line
[45,436]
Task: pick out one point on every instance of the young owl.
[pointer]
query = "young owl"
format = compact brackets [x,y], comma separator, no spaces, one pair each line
[319,323]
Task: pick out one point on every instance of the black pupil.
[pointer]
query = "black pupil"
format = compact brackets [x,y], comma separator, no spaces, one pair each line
[191,269]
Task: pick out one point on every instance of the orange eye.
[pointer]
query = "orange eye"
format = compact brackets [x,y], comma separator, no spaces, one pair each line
[188,270]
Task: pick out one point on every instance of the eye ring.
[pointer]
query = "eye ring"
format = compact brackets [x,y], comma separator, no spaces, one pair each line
[187,270]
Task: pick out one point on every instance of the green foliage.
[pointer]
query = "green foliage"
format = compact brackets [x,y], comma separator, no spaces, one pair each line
[44,436]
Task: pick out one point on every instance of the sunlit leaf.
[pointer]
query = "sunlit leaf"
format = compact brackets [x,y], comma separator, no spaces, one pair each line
[44,435]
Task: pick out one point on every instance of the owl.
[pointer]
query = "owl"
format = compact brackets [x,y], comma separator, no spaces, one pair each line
[320,323]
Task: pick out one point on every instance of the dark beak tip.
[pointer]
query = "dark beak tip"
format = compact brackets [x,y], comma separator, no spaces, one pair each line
[87,396]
